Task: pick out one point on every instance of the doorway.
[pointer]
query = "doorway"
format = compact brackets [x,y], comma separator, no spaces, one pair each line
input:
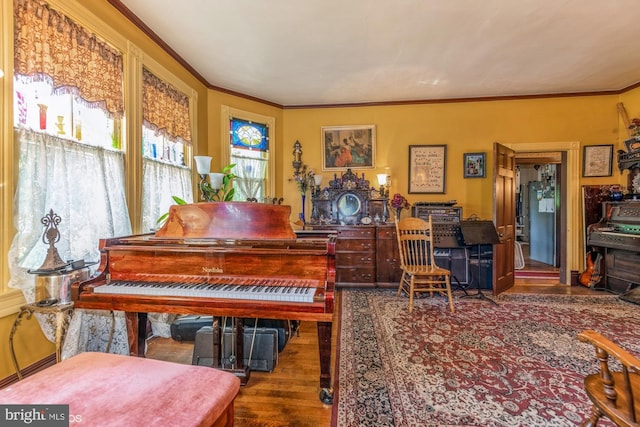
[539,197]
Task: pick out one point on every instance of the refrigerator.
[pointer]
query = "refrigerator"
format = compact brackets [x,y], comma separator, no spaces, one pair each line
[542,223]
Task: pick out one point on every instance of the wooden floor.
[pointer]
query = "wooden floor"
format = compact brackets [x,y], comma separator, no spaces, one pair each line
[288,396]
[533,267]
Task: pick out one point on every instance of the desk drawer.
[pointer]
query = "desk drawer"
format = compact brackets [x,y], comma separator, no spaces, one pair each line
[357,233]
[355,275]
[358,245]
[355,259]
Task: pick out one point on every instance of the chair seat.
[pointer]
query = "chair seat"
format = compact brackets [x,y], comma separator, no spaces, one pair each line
[431,270]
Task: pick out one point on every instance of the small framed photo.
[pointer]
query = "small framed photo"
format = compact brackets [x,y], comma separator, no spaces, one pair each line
[427,168]
[474,165]
[348,147]
[597,160]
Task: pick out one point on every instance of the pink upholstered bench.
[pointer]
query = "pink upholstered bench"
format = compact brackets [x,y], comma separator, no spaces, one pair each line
[112,390]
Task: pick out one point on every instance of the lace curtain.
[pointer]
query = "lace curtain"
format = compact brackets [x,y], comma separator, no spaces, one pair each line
[250,176]
[161,181]
[48,43]
[84,185]
[164,108]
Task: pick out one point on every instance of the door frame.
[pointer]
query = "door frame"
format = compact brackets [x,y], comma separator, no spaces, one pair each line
[573,232]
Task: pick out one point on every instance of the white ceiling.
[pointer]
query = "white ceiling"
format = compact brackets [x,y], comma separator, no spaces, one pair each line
[314,52]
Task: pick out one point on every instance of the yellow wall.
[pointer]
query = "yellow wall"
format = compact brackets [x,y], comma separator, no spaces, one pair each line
[29,343]
[463,127]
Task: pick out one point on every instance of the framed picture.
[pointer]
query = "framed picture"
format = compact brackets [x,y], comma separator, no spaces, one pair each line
[348,147]
[474,165]
[597,160]
[427,164]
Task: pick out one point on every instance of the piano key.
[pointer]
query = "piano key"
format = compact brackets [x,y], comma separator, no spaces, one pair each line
[291,291]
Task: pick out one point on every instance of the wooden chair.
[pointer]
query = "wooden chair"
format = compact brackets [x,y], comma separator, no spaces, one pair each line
[615,395]
[419,270]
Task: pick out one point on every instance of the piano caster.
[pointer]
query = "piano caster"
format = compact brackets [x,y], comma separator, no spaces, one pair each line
[326,396]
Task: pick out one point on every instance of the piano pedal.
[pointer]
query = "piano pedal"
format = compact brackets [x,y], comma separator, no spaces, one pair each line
[242,373]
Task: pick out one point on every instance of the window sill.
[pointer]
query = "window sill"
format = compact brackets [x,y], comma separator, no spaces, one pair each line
[10,302]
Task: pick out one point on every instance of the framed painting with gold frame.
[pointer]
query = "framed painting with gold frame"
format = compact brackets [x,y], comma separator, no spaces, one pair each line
[351,147]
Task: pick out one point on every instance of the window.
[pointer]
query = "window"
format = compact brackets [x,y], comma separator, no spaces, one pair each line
[75,164]
[166,141]
[68,134]
[38,107]
[251,148]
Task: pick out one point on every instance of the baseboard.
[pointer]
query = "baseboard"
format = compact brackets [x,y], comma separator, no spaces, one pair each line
[29,370]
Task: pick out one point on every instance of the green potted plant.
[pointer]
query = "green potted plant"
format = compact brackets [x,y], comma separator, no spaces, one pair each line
[223,194]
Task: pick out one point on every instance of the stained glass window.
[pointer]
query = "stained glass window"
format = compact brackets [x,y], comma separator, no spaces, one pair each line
[249,135]
[250,153]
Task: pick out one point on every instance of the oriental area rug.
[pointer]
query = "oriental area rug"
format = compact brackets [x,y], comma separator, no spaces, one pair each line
[514,363]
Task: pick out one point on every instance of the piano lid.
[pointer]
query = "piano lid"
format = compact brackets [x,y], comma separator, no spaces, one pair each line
[227,220]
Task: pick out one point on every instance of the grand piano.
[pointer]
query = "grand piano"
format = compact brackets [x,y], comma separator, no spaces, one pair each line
[235,259]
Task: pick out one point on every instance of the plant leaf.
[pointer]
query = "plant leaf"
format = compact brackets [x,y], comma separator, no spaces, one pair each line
[162,218]
[178,200]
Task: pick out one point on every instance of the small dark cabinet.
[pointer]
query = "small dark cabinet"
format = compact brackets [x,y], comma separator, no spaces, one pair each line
[366,255]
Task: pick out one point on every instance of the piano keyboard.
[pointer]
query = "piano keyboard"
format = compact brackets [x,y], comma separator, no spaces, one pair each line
[288,290]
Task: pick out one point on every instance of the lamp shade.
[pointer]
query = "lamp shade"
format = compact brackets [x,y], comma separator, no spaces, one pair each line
[215,180]
[317,179]
[382,179]
[203,164]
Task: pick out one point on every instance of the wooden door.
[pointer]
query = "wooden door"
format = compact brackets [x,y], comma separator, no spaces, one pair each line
[504,217]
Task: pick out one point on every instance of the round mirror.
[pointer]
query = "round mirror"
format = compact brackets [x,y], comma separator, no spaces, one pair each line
[348,205]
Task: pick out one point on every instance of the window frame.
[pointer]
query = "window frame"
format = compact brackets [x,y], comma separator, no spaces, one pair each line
[227,113]
[10,299]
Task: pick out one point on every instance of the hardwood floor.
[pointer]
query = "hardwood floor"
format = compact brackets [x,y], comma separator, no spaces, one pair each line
[288,396]
[533,267]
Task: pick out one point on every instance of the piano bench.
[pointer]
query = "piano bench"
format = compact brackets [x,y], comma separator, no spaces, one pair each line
[114,390]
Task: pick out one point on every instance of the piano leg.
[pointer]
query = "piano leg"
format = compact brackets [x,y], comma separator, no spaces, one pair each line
[324,347]
[136,332]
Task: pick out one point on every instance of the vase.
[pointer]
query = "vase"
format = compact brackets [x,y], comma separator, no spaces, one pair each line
[616,196]
[398,212]
[302,218]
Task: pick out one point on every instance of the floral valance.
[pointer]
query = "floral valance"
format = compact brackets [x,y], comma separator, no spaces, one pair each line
[164,108]
[50,44]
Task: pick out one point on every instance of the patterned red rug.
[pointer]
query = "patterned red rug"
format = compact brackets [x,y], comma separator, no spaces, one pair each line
[517,363]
